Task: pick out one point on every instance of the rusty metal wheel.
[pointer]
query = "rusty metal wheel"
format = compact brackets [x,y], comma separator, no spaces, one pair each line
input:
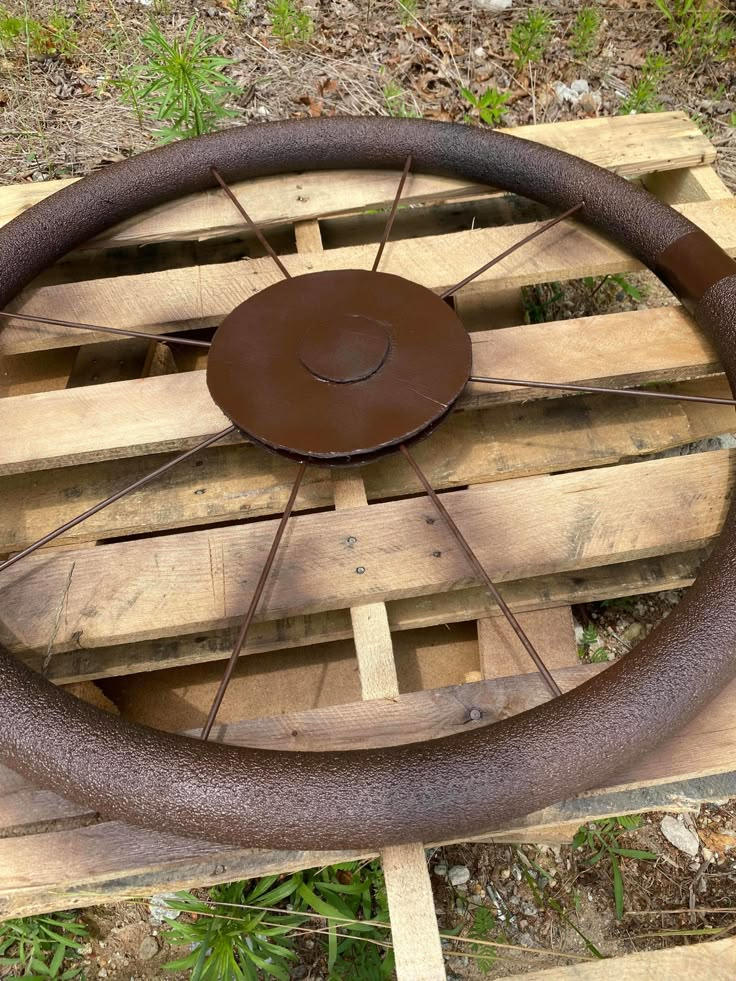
[357,353]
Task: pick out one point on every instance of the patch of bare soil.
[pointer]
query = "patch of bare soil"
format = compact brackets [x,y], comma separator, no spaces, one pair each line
[66,115]
[548,898]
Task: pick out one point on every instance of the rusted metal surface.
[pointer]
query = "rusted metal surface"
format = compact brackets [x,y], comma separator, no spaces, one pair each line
[691,265]
[451,787]
[339,367]
[96,328]
[599,390]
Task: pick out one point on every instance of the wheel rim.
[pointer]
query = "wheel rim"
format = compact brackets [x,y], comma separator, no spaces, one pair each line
[451,787]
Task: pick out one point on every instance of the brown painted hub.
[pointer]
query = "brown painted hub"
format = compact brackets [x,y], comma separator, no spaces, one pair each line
[339,367]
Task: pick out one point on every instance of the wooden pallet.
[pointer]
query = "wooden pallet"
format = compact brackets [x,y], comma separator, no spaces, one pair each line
[146,596]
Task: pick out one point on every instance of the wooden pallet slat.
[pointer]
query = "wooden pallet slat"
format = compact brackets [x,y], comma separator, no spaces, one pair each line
[547,524]
[174,412]
[239,481]
[182,299]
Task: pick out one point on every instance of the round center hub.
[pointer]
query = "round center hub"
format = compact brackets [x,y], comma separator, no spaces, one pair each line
[346,349]
[339,367]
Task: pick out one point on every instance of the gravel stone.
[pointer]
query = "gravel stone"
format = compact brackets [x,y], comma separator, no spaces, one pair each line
[678,835]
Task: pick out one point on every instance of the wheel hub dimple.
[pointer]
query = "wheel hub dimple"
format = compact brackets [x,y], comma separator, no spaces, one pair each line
[340,367]
[346,349]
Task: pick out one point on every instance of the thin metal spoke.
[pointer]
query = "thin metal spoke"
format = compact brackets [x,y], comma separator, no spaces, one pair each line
[163,338]
[482,574]
[136,485]
[255,600]
[249,221]
[512,248]
[599,390]
[392,214]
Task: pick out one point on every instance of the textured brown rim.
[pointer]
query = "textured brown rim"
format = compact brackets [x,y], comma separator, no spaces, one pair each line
[446,788]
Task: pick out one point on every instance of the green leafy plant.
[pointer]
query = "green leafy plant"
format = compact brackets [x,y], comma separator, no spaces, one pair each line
[490,106]
[484,923]
[289,23]
[182,84]
[42,947]
[232,936]
[585,29]
[345,894]
[699,28]
[397,103]
[589,640]
[242,929]
[600,839]
[408,10]
[643,94]
[539,300]
[57,37]
[530,37]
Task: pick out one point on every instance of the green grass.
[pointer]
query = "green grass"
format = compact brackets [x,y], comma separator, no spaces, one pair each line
[585,30]
[599,841]
[408,11]
[643,96]
[490,105]
[530,37]
[244,929]
[397,102]
[182,85]
[40,947]
[290,24]
[57,36]
[701,30]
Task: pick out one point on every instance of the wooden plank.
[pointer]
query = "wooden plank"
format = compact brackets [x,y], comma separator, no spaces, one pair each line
[550,631]
[581,586]
[414,929]
[233,482]
[518,529]
[629,145]
[182,299]
[714,960]
[176,411]
[686,185]
[371,630]
[41,371]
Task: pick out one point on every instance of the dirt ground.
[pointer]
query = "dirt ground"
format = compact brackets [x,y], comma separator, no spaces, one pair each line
[65,115]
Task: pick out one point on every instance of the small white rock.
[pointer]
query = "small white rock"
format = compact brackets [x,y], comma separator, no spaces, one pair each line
[458,875]
[678,835]
[262,111]
[159,909]
[493,5]
[480,54]
[580,86]
[440,869]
